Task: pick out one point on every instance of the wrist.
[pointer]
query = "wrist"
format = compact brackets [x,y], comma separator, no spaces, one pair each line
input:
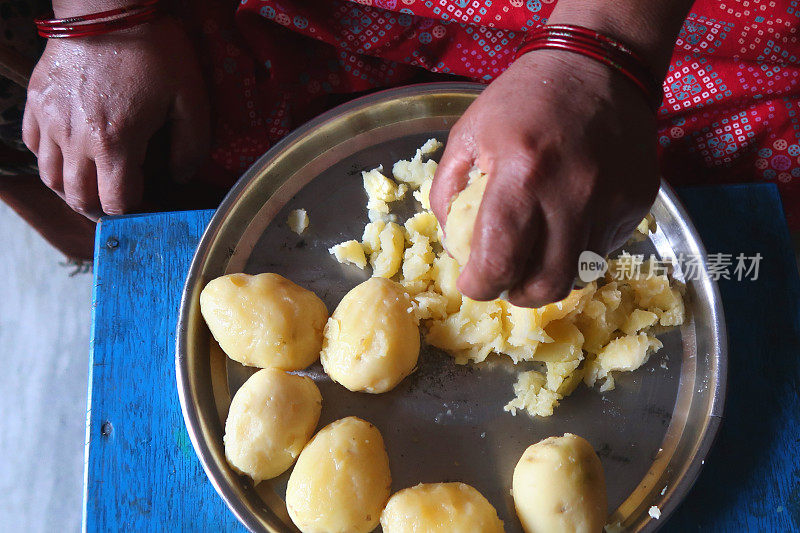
[74,8]
[588,81]
[649,28]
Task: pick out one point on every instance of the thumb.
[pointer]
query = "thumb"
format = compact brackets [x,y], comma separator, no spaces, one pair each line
[189,135]
[451,177]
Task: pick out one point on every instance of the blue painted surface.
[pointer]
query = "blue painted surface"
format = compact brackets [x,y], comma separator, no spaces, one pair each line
[751,479]
[142,474]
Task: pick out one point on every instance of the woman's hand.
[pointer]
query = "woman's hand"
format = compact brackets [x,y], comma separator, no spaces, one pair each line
[95,102]
[570,149]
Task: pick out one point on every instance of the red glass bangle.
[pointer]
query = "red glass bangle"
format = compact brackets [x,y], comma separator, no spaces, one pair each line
[594,35]
[99,23]
[94,16]
[606,50]
[86,30]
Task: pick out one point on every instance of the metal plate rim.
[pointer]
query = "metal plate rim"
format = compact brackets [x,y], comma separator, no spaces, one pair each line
[190,293]
[721,359]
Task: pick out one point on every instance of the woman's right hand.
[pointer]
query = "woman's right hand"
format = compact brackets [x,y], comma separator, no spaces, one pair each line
[569,146]
[95,102]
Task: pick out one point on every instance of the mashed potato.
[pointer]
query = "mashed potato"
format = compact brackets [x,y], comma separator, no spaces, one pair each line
[595,332]
[298,221]
[461,217]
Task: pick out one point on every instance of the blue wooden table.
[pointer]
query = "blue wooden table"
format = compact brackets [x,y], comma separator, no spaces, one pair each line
[142,473]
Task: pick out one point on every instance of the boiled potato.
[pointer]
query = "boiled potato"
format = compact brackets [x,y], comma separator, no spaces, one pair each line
[341,481]
[458,228]
[440,508]
[372,339]
[264,320]
[271,418]
[558,486]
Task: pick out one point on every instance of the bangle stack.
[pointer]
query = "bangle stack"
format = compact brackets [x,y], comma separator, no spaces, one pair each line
[99,23]
[602,48]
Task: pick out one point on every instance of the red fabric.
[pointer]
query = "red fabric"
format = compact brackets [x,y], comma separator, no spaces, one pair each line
[730,111]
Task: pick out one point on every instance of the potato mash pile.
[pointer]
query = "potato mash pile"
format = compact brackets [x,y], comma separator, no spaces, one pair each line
[595,332]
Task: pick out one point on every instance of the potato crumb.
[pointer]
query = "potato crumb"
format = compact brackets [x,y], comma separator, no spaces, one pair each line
[350,252]
[416,171]
[644,229]
[594,333]
[298,221]
[381,191]
[532,395]
[654,512]
[387,259]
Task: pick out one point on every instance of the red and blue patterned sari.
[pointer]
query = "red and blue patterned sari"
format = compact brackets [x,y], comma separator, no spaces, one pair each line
[731,98]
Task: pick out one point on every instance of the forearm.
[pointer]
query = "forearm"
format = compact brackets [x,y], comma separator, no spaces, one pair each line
[649,26]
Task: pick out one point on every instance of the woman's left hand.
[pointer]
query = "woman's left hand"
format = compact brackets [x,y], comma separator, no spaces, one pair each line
[569,146]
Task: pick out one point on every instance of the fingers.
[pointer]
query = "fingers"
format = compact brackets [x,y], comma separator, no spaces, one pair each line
[30,131]
[189,135]
[80,185]
[120,182]
[51,163]
[112,184]
[506,229]
[451,176]
[556,263]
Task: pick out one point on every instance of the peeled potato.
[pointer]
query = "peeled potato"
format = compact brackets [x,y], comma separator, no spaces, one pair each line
[372,339]
[341,481]
[271,418]
[558,486]
[265,320]
[458,228]
[440,508]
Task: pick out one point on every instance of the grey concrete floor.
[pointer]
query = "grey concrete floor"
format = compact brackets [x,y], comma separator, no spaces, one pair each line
[44,349]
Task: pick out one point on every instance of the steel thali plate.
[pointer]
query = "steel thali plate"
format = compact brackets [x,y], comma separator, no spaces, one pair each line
[444,422]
